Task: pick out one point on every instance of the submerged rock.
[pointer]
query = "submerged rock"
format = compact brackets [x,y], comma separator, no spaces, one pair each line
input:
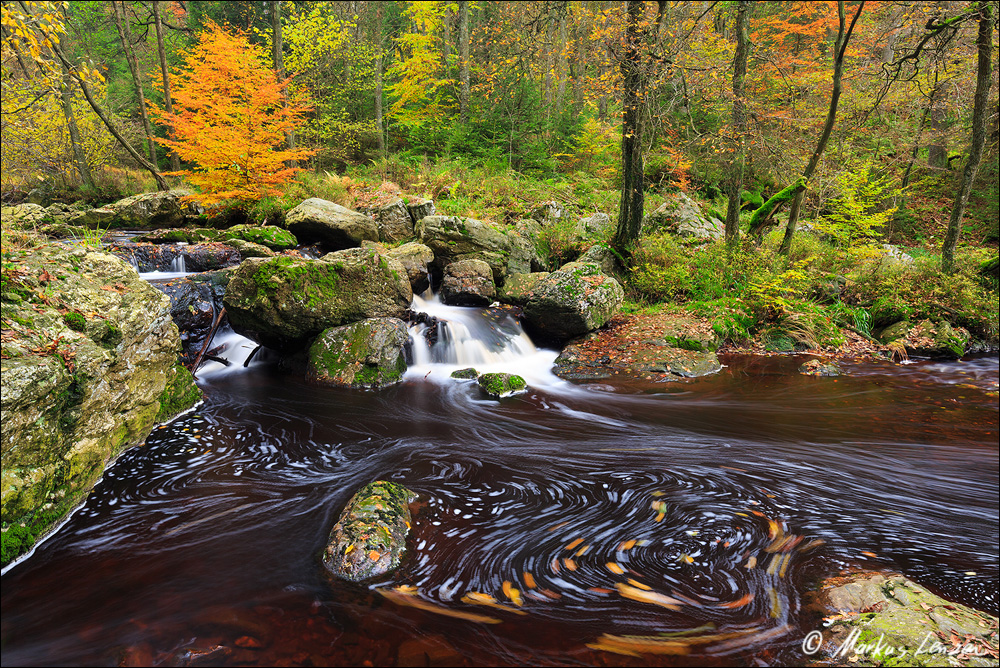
[574,300]
[86,373]
[285,302]
[468,283]
[501,385]
[369,539]
[331,224]
[820,368]
[366,354]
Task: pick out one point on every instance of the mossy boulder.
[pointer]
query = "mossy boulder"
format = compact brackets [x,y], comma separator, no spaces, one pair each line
[820,368]
[576,299]
[928,339]
[468,283]
[366,354]
[681,215]
[453,239]
[286,302]
[248,249]
[334,226]
[518,287]
[270,236]
[75,395]
[465,374]
[501,385]
[369,538]
[178,235]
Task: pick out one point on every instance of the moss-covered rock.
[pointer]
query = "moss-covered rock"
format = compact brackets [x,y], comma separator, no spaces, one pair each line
[248,249]
[574,300]
[332,225]
[501,385]
[286,302]
[453,239]
[176,235]
[928,339]
[394,222]
[820,368]
[465,374]
[270,236]
[518,287]
[368,354]
[75,397]
[369,538]
[468,283]
[152,210]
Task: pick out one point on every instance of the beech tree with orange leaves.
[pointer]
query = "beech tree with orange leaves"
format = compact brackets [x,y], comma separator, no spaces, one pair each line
[230,119]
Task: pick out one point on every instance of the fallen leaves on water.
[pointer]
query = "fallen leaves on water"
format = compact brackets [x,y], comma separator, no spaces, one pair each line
[479,598]
[412,600]
[615,568]
[645,596]
[573,544]
[512,593]
[529,580]
[738,603]
[639,645]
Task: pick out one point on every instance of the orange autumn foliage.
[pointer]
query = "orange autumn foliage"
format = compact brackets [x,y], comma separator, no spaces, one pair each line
[230,119]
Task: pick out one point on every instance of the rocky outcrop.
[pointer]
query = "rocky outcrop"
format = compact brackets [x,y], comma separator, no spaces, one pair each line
[468,283]
[419,208]
[415,259]
[285,302]
[369,538]
[572,301]
[882,620]
[168,257]
[927,339]
[366,354]
[394,222]
[89,366]
[330,224]
[682,216]
[500,385]
[195,301]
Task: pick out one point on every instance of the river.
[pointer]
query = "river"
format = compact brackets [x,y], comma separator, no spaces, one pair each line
[621,508]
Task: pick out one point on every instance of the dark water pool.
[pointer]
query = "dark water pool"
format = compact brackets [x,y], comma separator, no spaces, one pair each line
[707,508]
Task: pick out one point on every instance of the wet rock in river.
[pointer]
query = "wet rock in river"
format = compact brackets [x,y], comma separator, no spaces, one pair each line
[331,224]
[468,283]
[369,539]
[501,385]
[465,374]
[819,368]
[366,354]
[927,339]
[576,299]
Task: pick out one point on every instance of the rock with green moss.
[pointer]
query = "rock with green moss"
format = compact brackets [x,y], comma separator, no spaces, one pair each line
[453,239]
[820,368]
[468,283]
[518,287]
[177,235]
[501,385]
[465,374]
[286,302]
[330,224]
[249,249]
[928,339]
[152,210]
[889,620]
[270,236]
[604,257]
[366,354]
[576,299]
[70,408]
[369,538]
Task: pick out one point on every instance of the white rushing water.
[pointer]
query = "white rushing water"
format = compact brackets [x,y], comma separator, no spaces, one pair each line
[230,346]
[491,342]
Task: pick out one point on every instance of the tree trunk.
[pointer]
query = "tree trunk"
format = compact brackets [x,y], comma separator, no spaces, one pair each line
[984,42]
[937,152]
[168,103]
[463,60]
[632,200]
[563,65]
[831,116]
[379,80]
[125,34]
[739,124]
[277,53]
[74,133]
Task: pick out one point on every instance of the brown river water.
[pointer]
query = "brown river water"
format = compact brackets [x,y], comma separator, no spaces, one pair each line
[614,509]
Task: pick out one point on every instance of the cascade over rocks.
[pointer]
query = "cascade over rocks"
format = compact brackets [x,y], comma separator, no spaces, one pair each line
[87,371]
[574,300]
[285,302]
[366,354]
[468,283]
[369,538]
[160,257]
[195,301]
[330,224]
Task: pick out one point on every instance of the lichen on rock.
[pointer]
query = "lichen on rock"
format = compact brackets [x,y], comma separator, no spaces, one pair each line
[366,354]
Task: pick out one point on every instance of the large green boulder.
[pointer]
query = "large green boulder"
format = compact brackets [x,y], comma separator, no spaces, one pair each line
[415,258]
[366,354]
[572,301]
[271,236]
[89,366]
[286,302]
[500,385]
[369,538]
[518,287]
[330,224]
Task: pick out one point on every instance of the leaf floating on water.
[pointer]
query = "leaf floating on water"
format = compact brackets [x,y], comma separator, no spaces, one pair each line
[582,551]
[644,596]
[479,598]
[414,601]
[615,568]
[409,590]
[511,593]
[815,542]
[659,517]
[557,526]
[637,645]
[775,603]
[685,559]
[658,493]
[601,590]
[784,566]
[751,562]
[569,564]
[733,468]
[869,554]
[529,580]
[738,603]
[636,583]
[626,545]
[554,564]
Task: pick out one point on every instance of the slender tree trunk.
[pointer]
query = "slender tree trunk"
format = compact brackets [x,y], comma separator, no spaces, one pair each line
[463,60]
[277,54]
[563,65]
[125,34]
[632,200]
[831,116]
[168,102]
[379,80]
[937,152]
[74,133]
[984,41]
[739,124]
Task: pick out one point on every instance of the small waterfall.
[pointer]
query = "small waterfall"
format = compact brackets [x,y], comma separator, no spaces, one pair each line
[135,263]
[457,337]
[177,264]
[229,346]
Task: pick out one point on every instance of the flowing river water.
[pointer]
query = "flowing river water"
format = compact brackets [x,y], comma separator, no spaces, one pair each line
[703,509]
